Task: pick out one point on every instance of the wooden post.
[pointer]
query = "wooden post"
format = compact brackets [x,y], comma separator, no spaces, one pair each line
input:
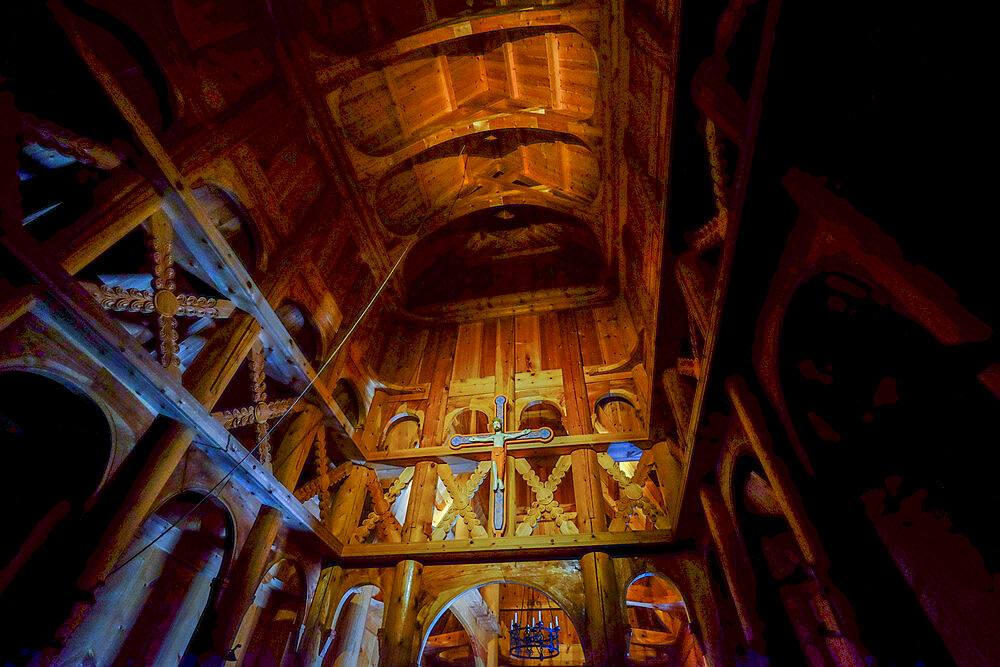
[248,570]
[733,560]
[669,474]
[290,455]
[605,618]
[748,411]
[590,516]
[420,510]
[605,621]
[355,614]
[213,370]
[399,626]
[348,504]
[315,625]
[491,596]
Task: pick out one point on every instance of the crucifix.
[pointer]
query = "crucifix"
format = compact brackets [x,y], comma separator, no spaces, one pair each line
[499,438]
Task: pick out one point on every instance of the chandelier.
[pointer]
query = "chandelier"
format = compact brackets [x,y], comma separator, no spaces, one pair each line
[534,639]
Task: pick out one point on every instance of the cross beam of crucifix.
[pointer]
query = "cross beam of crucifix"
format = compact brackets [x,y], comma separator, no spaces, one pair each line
[499,439]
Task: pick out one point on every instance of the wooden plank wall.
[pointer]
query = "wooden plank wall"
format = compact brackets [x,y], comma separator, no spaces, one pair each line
[555,357]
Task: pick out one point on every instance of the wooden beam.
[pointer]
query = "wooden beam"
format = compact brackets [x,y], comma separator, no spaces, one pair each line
[191,222]
[494,549]
[521,303]
[513,91]
[555,74]
[563,444]
[447,87]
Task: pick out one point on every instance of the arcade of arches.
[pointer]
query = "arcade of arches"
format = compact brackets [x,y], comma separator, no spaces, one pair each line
[340,332]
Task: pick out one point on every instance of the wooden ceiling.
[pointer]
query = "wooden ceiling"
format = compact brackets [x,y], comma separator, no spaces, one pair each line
[497,108]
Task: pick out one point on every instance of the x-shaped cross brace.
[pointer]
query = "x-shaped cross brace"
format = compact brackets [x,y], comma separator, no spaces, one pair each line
[461,501]
[262,411]
[545,504]
[633,497]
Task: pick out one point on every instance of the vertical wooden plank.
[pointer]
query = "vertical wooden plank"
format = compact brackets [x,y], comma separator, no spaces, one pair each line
[442,361]
[447,87]
[503,381]
[552,58]
[574,388]
[513,90]
[468,350]
[590,348]
[420,510]
[528,353]
[548,340]
[488,345]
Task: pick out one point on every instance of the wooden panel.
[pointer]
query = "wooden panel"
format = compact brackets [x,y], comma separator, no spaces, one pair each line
[439,375]
[548,329]
[590,348]
[528,344]
[468,351]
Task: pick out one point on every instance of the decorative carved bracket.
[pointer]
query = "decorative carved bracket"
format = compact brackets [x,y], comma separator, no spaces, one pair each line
[461,501]
[633,497]
[545,504]
[382,502]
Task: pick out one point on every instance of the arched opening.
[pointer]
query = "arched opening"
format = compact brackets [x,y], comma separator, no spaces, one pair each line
[469,421]
[355,635]
[660,628]
[232,220]
[477,624]
[301,328]
[616,413]
[403,432]
[539,414]
[269,631]
[56,444]
[149,609]
[346,396]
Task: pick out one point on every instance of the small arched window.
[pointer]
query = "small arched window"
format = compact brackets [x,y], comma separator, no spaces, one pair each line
[232,220]
[346,396]
[615,413]
[539,414]
[403,433]
[301,327]
[469,422]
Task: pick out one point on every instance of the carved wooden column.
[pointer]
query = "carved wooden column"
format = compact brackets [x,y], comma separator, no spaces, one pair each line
[420,509]
[605,620]
[491,596]
[348,503]
[355,614]
[247,572]
[290,455]
[399,631]
[399,626]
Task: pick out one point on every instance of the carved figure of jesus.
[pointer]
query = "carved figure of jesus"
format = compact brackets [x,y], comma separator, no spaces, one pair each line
[499,453]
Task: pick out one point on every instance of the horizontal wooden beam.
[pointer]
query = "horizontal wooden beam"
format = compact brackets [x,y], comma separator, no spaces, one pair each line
[583,18]
[521,303]
[494,549]
[563,444]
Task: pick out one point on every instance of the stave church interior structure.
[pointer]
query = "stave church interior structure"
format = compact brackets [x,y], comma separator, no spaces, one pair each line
[483,332]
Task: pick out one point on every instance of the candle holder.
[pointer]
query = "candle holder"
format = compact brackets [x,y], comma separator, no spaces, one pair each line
[534,640]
